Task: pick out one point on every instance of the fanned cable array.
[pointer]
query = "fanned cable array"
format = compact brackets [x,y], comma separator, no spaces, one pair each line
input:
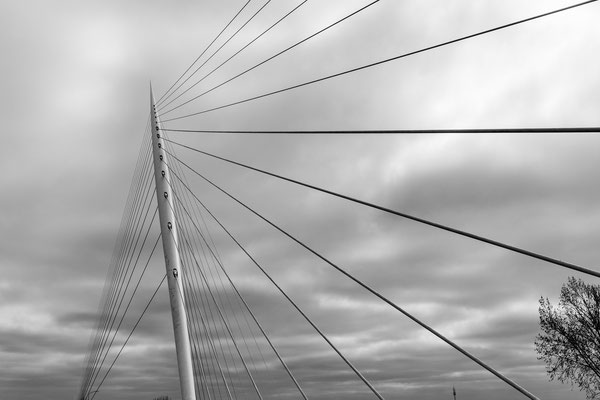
[232,352]
[234,355]
[136,244]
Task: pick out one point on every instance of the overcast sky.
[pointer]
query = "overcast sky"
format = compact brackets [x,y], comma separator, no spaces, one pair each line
[75,77]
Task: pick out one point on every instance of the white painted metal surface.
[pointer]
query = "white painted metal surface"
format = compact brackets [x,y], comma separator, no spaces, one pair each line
[175,272]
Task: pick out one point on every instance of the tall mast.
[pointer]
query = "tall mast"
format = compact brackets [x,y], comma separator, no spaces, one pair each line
[168,228]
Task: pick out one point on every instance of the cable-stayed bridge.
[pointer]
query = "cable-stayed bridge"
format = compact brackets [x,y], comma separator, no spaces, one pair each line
[223,349]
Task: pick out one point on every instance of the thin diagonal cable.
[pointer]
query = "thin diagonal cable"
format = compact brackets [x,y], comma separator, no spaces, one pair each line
[264,333]
[200,377]
[215,261]
[177,168]
[204,303]
[236,53]
[220,312]
[549,130]
[219,309]
[128,254]
[124,220]
[107,290]
[220,294]
[404,215]
[125,268]
[116,313]
[267,60]
[349,71]
[212,324]
[226,325]
[211,348]
[132,228]
[193,274]
[209,58]
[306,317]
[374,292]
[191,292]
[201,54]
[186,197]
[112,271]
[131,213]
[233,285]
[128,337]
[143,186]
[116,330]
[215,256]
[187,259]
[206,349]
[120,277]
[200,381]
[130,300]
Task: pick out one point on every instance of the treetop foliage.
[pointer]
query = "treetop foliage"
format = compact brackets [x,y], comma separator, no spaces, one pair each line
[570,340]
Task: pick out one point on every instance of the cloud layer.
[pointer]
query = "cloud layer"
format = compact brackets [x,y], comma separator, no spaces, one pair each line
[75,82]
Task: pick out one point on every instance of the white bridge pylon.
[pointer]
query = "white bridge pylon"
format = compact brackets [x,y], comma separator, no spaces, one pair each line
[168,228]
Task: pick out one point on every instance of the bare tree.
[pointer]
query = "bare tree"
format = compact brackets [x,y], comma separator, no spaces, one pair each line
[570,340]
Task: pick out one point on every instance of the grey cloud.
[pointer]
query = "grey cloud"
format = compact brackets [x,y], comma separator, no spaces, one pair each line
[75,85]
